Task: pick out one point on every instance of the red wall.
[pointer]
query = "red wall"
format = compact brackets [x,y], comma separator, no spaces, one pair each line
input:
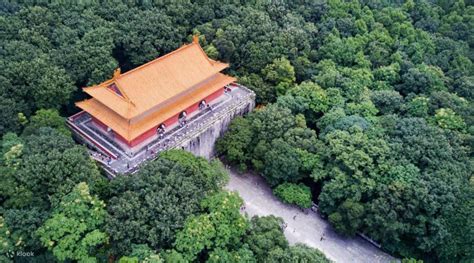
[214,95]
[143,136]
[120,138]
[169,121]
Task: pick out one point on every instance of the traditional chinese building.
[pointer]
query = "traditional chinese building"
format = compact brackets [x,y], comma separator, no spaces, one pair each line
[149,106]
[133,106]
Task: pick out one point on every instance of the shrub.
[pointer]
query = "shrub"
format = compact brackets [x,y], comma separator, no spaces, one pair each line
[297,194]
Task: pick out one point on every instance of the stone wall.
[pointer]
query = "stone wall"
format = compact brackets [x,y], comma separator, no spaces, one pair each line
[202,143]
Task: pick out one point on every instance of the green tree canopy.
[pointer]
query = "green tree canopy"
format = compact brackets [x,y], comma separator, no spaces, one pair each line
[74,229]
[150,207]
[46,118]
[219,229]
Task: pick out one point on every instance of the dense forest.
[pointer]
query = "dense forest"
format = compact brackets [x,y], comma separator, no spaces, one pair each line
[368,105]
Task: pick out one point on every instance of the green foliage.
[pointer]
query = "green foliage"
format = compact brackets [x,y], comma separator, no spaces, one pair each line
[211,51]
[9,141]
[418,106]
[141,253]
[52,175]
[348,217]
[243,254]
[350,80]
[297,253]
[309,99]
[281,74]
[297,194]
[235,142]
[460,228]
[20,227]
[88,65]
[149,33]
[172,256]
[387,101]
[447,119]
[9,109]
[46,118]
[422,79]
[128,260]
[74,229]
[266,92]
[220,227]
[39,83]
[265,234]
[388,63]
[281,162]
[271,142]
[150,207]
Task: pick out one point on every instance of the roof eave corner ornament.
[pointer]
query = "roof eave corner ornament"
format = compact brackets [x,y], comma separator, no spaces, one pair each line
[116,73]
[195,39]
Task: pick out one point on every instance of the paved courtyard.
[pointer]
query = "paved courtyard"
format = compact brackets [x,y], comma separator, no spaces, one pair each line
[303,228]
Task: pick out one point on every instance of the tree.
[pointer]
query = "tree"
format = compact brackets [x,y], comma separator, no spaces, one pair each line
[265,92]
[344,123]
[281,74]
[447,119]
[374,103]
[146,34]
[422,79]
[221,227]
[348,218]
[281,163]
[142,253]
[236,142]
[309,99]
[46,118]
[243,254]
[297,194]
[364,109]
[355,160]
[8,141]
[74,229]
[153,205]
[265,234]
[297,253]
[387,101]
[52,175]
[418,106]
[460,229]
[418,194]
[39,82]
[89,60]
[20,225]
[9,110]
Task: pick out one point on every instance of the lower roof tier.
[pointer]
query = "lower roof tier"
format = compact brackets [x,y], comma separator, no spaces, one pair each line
[131,129]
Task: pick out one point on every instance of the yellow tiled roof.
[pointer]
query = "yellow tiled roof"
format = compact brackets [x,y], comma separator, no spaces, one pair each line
[131,129]
[157,81]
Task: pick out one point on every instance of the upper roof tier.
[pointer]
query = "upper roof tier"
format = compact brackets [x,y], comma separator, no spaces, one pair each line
[145,87]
